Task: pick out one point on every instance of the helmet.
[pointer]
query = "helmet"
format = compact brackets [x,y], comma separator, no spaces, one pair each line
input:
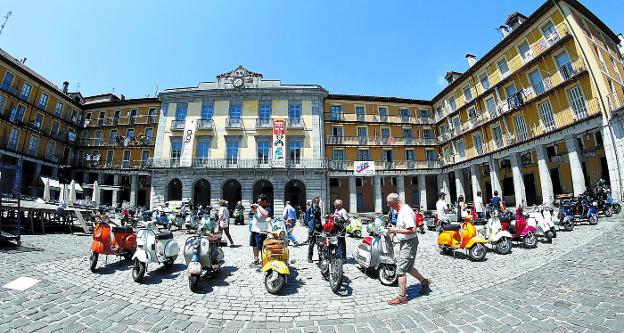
[328,226]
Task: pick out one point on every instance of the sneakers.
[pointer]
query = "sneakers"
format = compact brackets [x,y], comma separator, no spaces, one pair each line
[254,263]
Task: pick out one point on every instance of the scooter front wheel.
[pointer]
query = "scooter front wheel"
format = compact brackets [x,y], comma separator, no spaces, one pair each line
[335,274]
[272,283]
[387,275]
[593,220]
[616,208]
[607,212]
[477,252]
[93,261]
[357,234]
[138,270]
[193,282]
[568,226]
[549,236]
[503,246]
[530,241]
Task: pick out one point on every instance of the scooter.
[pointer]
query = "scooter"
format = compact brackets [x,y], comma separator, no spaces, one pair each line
[462,236]
[580,210]
[330,255]
[420,222]
[545,227]
[376,252]
[153,246]
[202,252]
[354,228]
[492,230]
[119,241]
[519,229]
[239,217]
[275,256]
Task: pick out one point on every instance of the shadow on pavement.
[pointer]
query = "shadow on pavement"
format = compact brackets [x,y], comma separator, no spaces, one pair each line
[163,273]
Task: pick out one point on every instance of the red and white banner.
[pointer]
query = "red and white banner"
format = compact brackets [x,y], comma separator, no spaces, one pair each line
[279,143]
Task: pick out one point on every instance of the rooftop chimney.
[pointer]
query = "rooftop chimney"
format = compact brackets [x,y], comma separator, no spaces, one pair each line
[514,20]
[451,76]
[471,59]
[65,86]
[23,61]
[621,44]
[504,30]
[123,98]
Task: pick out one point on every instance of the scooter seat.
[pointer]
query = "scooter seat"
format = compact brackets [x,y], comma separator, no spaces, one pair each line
[126,229]
[165,234]
[451,226]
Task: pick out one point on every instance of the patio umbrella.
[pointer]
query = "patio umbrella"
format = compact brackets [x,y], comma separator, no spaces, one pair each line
[96,195]
[72,192]
[46,190]
[62,195]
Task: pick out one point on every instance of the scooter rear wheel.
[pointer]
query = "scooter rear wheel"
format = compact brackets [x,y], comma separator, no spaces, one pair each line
[616,208]
[549,236]
[607,212]
[138,270]
[93,261]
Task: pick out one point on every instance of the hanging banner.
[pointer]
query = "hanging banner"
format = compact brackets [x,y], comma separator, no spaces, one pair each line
[279,143]
[364,168]
[188,138]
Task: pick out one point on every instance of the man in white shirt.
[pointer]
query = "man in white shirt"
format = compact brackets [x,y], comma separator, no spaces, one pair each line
[259,225]
[478,205]
[341,214]
[441,208]
[405,233]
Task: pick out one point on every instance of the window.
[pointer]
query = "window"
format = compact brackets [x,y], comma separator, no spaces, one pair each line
[362,132]
[425,114]
[359,181]
[408,133]
[232,151]
[203,148]
[2,100]
[116,117]
[337,131]
[383,113]
[58,109]
[263,148]
[98,137]
[335,112]
[145,156]
[264,110]
[521,128]
[149,132]
[467,93]
[385,133]
[525,51]
[461,148]
[410,155]
[234,113]
[546,115]
[38,120]
[430,154]
[490,105]
[387,155]
[616,69]
[181,109]
[603,66]
[427,133]
[176,148]
[113,135]
[17,114]
[109,158]
[447,153]
[32,145]
[26,91]
[338,155]
[536,81]
[564,65]
[126,159]
[456,124]
[334,182]
[71,135]
[130,132]
[476,140]
[503,67]
[472,114]
[13,138]
[8,80]
[294,109]
[207,111]
[405,115]
[363,155]
[497,134]
[43,101]
[151,115]
[452,103]
[485,82]
[360,112]
[295,150]
[360,201]
[577,102]
[133,116]
[550,33]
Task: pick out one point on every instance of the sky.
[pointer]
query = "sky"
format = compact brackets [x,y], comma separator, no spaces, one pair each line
[397,48]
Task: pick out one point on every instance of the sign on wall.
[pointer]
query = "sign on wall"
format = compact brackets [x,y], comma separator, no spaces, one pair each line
[364,168]
[279,143]
[188,138]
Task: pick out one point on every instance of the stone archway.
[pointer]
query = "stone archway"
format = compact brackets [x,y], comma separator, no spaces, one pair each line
[295,192]
[201,193]
[174,190]
[265,187]
[231,191]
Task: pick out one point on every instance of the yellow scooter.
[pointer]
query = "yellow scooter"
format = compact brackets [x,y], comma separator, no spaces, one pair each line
[275,258]
[463,236]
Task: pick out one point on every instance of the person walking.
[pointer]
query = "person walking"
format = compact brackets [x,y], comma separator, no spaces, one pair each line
[405,233]
[260,227]
[289,214]
[341,217]
[478,206]
[314,224]
[223,216]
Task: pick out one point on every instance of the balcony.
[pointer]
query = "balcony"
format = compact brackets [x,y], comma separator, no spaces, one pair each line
[383,118]
[119,141]
[406,119]
[360,117]
[123,164]
[177,125]
[263,123]
[295,123]
[132,120]
[515,101]
[238,163]
[152,119]
[405,165]
[336,116]
[204,124]
[234,123]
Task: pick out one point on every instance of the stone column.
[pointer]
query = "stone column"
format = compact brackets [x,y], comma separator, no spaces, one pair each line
[401,187]
[100,181]
[475,174]
[134,187]
[443,183]
[422,188]
[352,195]
[613,141]
[495,178]
[576,169]
[518,180]
[116,181]
[548,193]
[377,193]
[459,184]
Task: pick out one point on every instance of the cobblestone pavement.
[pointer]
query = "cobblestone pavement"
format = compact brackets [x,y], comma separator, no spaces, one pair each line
[575,284]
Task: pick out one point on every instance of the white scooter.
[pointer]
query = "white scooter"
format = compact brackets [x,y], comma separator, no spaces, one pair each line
[493,231]
[202,252]
[153,245]
[377,252]
[544,224]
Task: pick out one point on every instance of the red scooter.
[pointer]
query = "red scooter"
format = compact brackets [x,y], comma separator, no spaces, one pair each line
[519,229]
[115,240]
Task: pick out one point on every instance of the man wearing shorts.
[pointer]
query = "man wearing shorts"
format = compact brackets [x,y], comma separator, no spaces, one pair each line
[259,226]
[405,233]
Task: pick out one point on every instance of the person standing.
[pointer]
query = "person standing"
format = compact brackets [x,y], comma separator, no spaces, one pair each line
[259,225]
[314,224]
[342,218]
[461,208]
[497,202]
[478,206]
[289,214]
[441,208]
[223,216]
[405,233]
